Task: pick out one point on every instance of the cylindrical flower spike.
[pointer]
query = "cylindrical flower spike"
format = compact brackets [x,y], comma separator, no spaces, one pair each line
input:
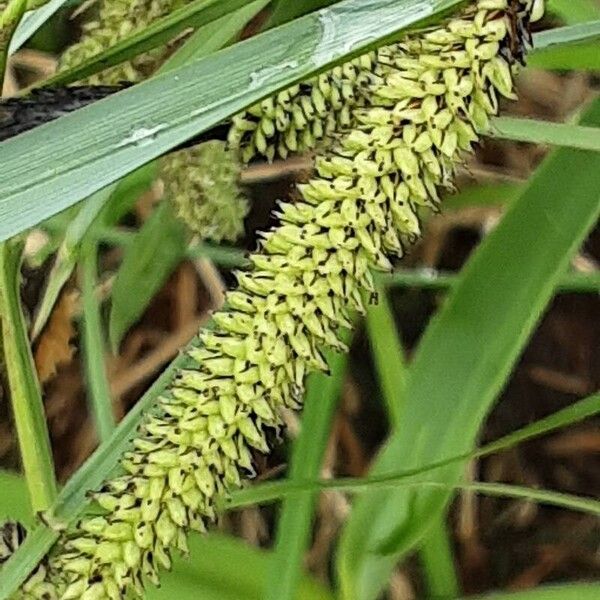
[202,183]
[116,20]
[303,116]
[434,92]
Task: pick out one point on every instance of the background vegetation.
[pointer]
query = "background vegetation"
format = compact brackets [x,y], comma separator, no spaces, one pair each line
[484,339]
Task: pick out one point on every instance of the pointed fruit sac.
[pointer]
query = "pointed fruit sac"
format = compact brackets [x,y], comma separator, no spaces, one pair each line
[435,93]
[202,183]
[306,115]
[116,20]
[312,114]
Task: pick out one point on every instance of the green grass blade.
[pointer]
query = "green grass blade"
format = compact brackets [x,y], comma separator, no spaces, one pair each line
[390,364]
[585,56]
[572,34]
[388,356]
[49,168]
[544,132]
[296,516]
[161,31]
[156,251]
[466,355]
[437,559]
[270,492]
[568,591]
[574,11]
[225,568]
[67,256]
[32,21]
[14,501]
[100,400]
[572,47]
[25,393]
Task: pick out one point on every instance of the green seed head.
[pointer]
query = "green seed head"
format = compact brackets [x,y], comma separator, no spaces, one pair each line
[202,183]
[426,101]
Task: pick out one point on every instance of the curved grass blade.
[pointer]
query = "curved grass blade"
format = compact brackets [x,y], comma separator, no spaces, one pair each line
[466,355]
[392,371]
[99,396]
[267,493]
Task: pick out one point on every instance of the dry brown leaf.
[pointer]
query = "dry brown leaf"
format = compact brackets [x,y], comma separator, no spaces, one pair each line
[54,347]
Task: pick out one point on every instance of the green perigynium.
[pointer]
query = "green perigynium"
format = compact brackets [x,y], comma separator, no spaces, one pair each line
[428,99]
[202,183]
[305,115]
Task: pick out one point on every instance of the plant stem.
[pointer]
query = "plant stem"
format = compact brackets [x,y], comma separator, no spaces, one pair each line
[26,396]
[93,345]
[438,563]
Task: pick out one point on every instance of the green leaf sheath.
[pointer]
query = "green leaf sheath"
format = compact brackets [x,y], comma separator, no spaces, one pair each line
[25,394]
[428,98]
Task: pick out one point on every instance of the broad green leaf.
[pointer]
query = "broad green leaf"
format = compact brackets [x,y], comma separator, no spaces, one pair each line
[14,501]
[568,591]
[467,354]
[295,520]
[50,167]
[155,252]
[435,551]
[584,56]
[224,568]
[574,11]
